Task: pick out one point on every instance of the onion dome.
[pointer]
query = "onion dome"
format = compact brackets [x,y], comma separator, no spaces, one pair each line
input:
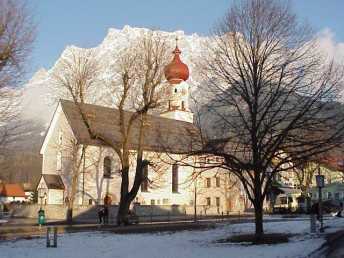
[176,71]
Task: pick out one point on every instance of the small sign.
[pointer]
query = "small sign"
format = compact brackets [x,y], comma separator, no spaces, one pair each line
[320,179]
[51,237]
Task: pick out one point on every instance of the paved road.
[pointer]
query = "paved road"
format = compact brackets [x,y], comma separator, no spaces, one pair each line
[336,249]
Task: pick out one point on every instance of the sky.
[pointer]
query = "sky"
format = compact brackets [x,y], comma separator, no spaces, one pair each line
[85,23]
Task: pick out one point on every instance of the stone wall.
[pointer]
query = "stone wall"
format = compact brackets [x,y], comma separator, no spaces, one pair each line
[90,212]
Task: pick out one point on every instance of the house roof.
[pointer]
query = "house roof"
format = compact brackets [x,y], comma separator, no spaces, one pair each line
[11,190]
[53,181]
[161,135]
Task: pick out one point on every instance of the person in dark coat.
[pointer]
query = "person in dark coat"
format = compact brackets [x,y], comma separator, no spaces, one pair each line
[101,215]
[106,215]
[315,210]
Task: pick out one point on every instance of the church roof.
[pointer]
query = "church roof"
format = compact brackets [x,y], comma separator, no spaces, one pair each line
[161,134]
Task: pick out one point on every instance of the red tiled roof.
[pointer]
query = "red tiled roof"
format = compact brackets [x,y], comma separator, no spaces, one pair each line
[12,190]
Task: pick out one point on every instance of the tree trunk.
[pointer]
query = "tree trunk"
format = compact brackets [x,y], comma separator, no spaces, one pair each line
[123,211]
[258,213]
[124,204]
[69,215]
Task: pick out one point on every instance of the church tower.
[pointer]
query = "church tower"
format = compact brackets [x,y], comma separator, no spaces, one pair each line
[176,74]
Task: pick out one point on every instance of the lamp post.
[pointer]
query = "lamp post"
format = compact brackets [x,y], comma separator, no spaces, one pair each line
[41,194]
[269,180]
[320,184]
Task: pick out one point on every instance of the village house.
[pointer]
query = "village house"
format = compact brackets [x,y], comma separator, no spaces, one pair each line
[12,193]
[169,135]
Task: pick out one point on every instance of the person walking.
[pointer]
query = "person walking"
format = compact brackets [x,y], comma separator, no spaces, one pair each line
[101,215]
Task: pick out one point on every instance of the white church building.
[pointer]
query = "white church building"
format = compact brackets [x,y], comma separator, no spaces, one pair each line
[169,183]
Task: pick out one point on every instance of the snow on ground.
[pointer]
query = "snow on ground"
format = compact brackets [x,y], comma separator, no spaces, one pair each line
[188,244]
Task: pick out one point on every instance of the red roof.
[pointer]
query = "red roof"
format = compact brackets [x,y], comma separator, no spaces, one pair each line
[11,190]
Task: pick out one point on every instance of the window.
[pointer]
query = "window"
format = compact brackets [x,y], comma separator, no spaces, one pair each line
[107,167]
[152,202]
[329,195]
[217,181]
[175,178]
[336,196]
[208,182]
[59,161]
[183,105]
[144,184]
[158,201]
[217,201]
[208,200]
[165,201]
[175,90]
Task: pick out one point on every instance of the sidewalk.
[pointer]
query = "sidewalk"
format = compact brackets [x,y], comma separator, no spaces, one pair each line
[28,232]
[28,228]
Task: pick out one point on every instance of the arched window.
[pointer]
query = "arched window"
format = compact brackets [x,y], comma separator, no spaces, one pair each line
[183,105]
[107,167]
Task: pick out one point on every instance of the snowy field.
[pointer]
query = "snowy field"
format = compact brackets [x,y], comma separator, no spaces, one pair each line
[188,244]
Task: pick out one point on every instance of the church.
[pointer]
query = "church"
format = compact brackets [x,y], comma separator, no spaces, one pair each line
[98,176]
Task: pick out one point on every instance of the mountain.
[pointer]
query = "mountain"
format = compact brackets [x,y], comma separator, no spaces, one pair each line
[39,98]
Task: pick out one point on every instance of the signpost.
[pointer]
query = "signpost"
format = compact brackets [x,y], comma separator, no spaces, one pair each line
[51,237]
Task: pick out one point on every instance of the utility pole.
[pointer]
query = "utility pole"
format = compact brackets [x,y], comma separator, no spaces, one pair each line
[195,200]
[83,174]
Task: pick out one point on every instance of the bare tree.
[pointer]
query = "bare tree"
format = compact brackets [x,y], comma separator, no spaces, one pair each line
[17,32]
[138,87]
[272,96]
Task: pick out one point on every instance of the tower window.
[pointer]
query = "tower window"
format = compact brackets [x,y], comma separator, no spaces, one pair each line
[107,167]
[217,181]
[144,184]
[175,178]
[208,182]
[175,90]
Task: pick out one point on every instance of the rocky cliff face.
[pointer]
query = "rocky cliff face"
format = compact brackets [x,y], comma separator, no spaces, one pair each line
[39,98]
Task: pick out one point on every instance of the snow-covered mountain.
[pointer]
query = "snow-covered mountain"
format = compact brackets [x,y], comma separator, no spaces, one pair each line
[38,96]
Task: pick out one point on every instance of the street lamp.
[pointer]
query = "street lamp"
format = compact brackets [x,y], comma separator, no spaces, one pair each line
[320,180]
[41,194]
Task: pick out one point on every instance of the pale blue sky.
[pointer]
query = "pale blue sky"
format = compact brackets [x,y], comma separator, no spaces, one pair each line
[85,22]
